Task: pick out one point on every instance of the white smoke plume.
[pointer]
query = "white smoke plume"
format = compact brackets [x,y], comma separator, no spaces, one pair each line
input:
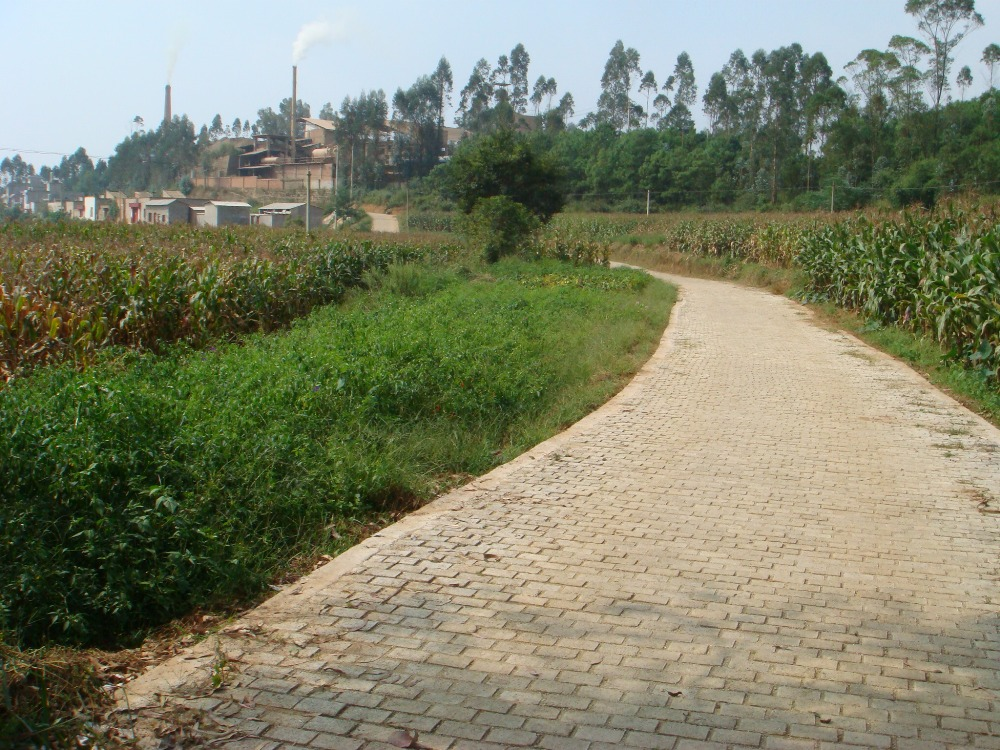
[318,32]
[174,45]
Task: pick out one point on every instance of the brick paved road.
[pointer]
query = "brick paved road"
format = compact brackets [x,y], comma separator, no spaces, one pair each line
[773,538]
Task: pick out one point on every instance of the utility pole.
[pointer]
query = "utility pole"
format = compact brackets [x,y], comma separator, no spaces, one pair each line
[647,203]
[309,181]
[336,185]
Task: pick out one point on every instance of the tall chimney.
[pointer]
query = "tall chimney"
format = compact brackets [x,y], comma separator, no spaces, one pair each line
[295,73]
[166,106]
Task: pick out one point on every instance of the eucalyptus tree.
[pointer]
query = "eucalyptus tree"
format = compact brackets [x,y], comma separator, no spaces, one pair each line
[819,100]
[991,58]
[415,119]
[361,123]
[964,80]
[615,105]
[679,117]
[519,62]
[717,104]
[873,73]
[477,97]
[649,85]
[538,93]
[944,24]
[445,84]
[907,85]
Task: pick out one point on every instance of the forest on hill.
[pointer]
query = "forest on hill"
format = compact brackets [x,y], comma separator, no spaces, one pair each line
[780,127]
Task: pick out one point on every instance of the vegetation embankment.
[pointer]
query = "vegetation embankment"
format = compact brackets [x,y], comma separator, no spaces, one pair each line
[922,285]
[69,291]
[152,483]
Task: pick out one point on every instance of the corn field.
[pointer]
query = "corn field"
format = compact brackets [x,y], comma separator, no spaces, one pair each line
[70,290]
[937,274]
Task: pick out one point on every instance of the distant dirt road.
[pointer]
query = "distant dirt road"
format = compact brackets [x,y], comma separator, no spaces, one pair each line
[384,223]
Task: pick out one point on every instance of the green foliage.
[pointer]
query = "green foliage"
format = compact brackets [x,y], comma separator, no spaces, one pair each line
[504,164]
[938,275]
[142,487]
[500,226]
[432,221]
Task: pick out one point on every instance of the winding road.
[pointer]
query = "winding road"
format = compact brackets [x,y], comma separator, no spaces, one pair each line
[775,537]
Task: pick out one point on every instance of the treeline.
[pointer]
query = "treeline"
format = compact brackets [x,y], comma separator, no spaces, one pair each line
[781,129]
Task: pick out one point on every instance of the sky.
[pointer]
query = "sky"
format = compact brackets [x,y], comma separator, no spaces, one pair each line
[77,74]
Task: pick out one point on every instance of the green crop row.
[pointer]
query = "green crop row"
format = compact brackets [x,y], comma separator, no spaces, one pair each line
[432,221]
[937,274]
[70,290]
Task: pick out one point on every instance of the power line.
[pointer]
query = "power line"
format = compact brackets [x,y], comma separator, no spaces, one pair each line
[44,153]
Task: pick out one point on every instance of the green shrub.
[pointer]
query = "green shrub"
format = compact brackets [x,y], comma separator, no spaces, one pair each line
[500,226]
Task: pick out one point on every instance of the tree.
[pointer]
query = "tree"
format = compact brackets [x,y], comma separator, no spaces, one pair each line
[216,129]
[477,97]
[270,122]
[538,93]
[687,89]
[991,58]
[519,62]
[361,123]
[717,103]
[679,117]
[506,186]
[649,85]
[944,24]
[415,118]
[237,127]
[558,118]
[964,80]
[508,164]
[615,103]
[906,86]
[445,84]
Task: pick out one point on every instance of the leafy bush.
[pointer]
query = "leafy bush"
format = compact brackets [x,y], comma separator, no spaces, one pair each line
[500,226]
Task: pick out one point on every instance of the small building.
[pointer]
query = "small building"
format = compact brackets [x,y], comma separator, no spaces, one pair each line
[280,214]
[225,213]
[96,208]
[166,211]
[319,132]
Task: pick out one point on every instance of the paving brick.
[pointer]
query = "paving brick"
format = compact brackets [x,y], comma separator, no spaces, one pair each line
[760,534]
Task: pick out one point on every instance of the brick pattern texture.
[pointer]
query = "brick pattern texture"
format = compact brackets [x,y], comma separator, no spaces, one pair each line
[774,537]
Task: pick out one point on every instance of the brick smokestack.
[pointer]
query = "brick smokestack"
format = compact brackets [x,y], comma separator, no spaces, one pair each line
[291,130]
[166,106]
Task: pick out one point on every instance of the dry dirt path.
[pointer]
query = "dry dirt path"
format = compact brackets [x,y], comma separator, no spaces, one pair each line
[384,223]
[774,537]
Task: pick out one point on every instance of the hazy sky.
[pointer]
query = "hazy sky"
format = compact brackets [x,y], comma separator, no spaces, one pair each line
[77,73]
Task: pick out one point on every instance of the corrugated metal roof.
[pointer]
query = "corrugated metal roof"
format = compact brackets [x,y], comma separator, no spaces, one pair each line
[324,124]
[230,204]
[161,202]
[281,206]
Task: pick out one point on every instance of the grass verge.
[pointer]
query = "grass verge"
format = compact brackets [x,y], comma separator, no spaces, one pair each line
[152,485]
